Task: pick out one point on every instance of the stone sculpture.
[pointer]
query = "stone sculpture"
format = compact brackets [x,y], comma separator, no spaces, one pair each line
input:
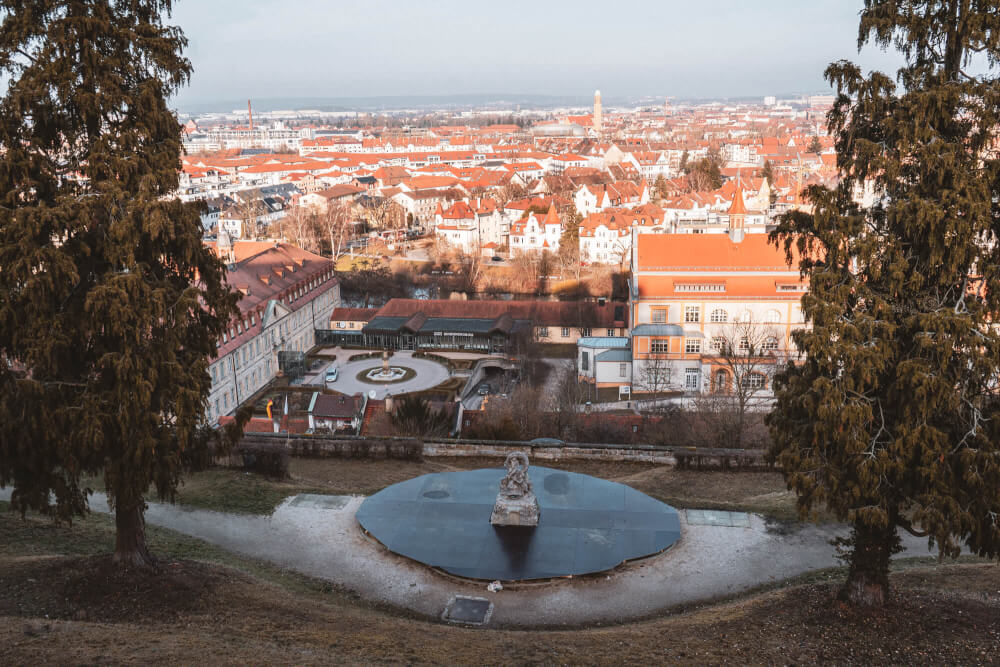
[516,504]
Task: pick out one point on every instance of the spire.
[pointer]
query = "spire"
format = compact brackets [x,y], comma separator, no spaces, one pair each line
[439,210]
[552,217]
[739,206]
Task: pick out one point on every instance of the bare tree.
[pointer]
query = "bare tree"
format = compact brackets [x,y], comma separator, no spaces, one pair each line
[300,228]
[654,375]
[383,213]
[336,225]
[745,355]
[510,192]
[470,268]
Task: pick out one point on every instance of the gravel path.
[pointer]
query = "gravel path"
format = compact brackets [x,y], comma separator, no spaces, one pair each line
[709,562]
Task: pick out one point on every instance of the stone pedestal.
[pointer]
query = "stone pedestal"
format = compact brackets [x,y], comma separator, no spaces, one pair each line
[521,511]
[516,504]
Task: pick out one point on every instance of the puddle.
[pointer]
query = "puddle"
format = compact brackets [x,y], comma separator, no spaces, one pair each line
[718,518]
[315,501]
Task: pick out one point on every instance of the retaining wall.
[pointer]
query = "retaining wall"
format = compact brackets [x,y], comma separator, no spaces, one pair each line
[321,446]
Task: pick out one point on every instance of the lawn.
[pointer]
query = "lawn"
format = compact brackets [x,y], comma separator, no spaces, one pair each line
[65,603]
[232,490]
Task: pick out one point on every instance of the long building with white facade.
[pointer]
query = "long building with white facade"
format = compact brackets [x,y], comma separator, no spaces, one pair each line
[288,293]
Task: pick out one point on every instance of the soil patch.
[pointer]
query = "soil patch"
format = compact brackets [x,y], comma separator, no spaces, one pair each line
[95,589]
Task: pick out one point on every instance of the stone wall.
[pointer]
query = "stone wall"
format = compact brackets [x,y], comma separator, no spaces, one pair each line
[332,446]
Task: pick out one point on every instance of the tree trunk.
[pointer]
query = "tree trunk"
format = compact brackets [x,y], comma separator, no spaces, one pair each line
[867,582]
[130,539]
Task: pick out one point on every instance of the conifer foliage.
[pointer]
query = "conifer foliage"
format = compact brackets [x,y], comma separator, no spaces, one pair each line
[892,421]
[110,305]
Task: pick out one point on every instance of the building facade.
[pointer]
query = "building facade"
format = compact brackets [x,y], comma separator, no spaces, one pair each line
[288,293]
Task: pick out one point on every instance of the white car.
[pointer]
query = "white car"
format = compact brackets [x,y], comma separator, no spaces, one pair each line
[331,375]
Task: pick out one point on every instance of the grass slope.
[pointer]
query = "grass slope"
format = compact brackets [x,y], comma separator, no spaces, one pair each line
[64,603]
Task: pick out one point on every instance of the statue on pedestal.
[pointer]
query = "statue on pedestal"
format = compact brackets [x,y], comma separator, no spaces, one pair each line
[516,503]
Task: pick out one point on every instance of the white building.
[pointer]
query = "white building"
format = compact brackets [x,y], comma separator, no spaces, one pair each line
[288,293]
[534,235]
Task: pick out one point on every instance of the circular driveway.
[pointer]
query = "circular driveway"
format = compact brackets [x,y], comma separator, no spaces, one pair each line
[429,374]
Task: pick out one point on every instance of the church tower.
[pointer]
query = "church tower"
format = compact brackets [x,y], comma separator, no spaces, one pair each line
[598,124]
[737,215]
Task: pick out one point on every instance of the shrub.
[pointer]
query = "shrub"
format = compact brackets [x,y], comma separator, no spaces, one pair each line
[269,459]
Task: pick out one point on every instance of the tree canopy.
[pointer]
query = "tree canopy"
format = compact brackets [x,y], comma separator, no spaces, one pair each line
[893,419]
[110,304]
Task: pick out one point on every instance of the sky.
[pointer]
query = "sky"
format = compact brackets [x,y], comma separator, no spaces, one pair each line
[627,48]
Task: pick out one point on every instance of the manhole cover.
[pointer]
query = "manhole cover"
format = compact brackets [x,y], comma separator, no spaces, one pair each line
[436,495]
[320,502]
[468,610]
[718,518]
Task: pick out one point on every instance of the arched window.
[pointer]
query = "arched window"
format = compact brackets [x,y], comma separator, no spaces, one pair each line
[772,317]
[771,343]
[719,315]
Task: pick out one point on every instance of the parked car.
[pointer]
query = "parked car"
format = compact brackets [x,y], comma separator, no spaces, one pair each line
[331,375]
[484,389]
[497,258]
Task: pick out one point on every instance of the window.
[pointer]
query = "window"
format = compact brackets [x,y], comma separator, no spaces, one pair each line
[585,331]
[700,287]
[717,344]
[719,316]
[565,332]
[772,317]
[744,345]
[753,381]
[692,379]
[543,332]
[692,314]
[770,343]
[622,370]
[659,316]
[611,332]
[585,361]
[661,346]
[692,345]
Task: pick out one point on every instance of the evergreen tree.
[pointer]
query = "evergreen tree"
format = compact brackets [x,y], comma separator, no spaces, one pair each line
[893,419]
[660,187]
[814,145]
[768,172]
[110,305]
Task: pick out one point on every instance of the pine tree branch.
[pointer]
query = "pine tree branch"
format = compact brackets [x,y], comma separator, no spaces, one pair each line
[907,525]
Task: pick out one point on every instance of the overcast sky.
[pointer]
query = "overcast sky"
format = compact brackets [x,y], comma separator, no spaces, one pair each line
[692,48]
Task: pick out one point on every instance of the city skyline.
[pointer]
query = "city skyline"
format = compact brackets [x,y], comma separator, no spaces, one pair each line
[717,49]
